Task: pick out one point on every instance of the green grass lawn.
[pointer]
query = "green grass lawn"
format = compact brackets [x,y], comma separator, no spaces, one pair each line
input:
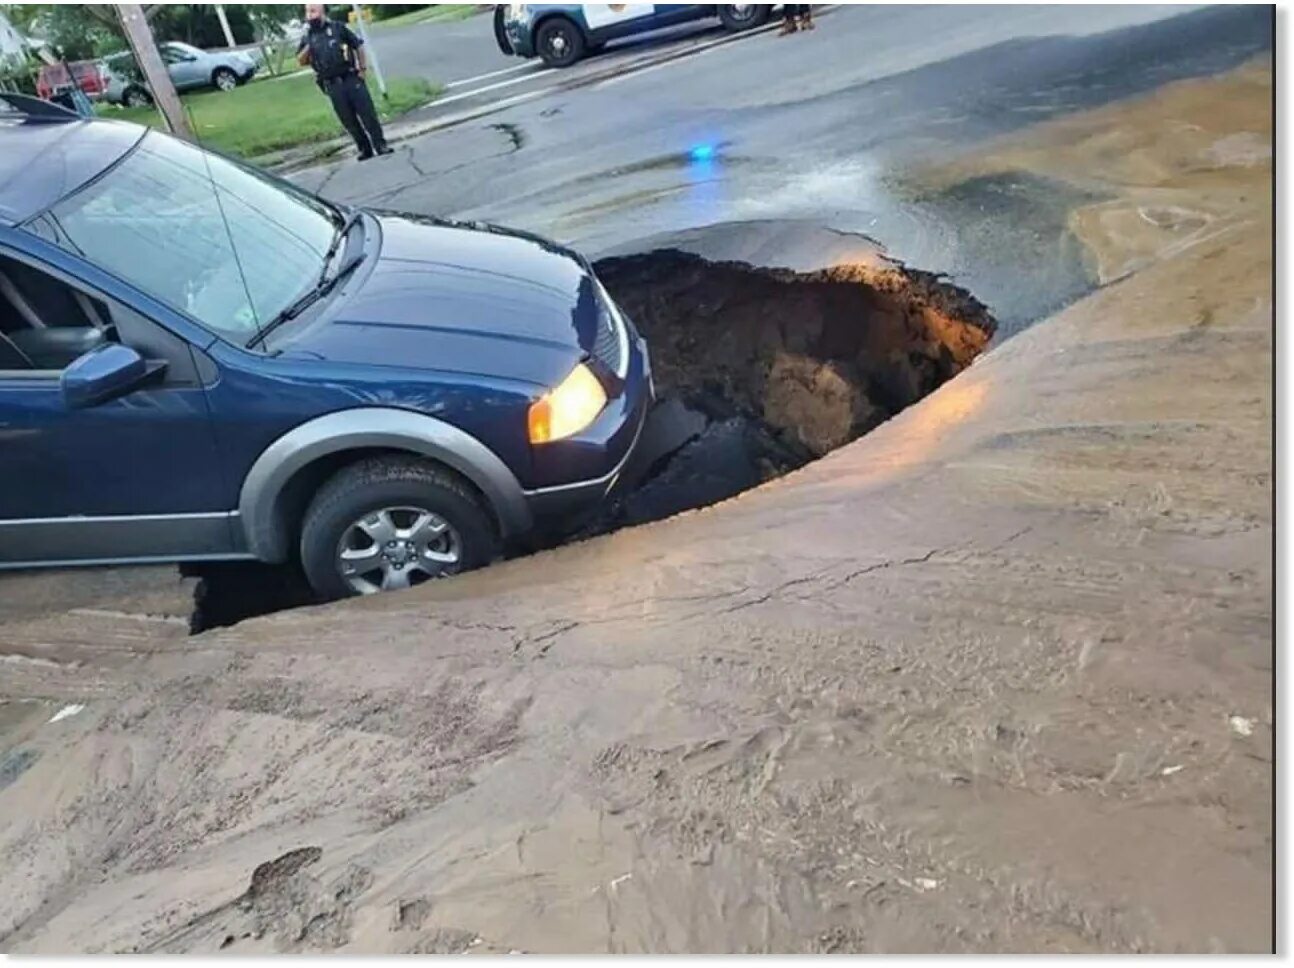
[436,11]
[268,114]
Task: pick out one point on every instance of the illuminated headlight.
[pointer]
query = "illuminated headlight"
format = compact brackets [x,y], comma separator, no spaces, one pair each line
[567,409]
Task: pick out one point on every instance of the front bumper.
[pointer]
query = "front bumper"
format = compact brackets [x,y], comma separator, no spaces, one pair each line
[521,37]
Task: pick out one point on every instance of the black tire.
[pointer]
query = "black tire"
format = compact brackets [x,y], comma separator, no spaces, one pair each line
[223,79]
[385,482]
[137,97]
[501,32]
[745,16]
[560,42]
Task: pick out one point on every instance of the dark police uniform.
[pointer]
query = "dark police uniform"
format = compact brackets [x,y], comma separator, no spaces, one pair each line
[332,47]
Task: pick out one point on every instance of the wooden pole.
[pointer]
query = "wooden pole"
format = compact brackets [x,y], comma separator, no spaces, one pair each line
[140,37]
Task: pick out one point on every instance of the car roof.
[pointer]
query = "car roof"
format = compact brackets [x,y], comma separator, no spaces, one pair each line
[42,161]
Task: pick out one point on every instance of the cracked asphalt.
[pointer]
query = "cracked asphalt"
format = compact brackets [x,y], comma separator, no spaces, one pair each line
[996,677]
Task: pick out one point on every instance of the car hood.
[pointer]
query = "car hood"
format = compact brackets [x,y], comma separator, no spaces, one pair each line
[461,297]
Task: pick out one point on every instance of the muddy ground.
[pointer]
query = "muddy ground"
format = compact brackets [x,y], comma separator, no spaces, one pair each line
[995,677]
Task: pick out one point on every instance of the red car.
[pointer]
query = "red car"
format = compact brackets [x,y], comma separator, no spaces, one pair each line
[91,78]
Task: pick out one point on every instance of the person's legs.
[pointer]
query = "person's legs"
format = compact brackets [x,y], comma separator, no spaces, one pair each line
[806,17]
[339,94]
[790,15]
[362,102]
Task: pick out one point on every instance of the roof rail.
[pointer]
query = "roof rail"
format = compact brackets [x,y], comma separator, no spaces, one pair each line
[34,108]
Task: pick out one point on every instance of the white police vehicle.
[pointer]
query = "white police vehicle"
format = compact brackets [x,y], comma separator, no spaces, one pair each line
[562,33]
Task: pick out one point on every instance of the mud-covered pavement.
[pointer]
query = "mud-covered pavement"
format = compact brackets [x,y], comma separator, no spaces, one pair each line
[996,676]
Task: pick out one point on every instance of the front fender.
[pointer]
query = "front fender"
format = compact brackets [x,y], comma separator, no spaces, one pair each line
[267,531]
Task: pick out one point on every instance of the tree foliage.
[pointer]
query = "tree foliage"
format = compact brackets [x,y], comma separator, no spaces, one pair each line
[81,31]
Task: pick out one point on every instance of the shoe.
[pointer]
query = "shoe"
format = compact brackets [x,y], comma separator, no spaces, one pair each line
[788,27]
[806,23]
[386,150]
[364,155]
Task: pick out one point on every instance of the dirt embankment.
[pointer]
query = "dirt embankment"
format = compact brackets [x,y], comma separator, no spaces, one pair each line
[996,677]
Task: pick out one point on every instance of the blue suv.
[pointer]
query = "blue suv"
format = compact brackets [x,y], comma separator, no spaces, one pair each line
[199,361]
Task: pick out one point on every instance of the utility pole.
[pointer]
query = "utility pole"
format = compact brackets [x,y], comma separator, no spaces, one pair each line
[224,25]
[371,53]
[140,37]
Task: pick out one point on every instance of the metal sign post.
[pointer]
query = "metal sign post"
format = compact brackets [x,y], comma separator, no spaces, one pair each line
[368,46]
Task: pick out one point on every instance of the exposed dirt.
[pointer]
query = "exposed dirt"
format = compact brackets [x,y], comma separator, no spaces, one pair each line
[820,357]
[996,677]
[762,370]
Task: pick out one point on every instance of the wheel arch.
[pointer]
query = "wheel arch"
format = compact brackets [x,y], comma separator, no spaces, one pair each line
[272,489]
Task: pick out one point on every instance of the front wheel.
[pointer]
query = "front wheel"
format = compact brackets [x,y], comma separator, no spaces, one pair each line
[560,42]
[392,523]
[224,79]
[743,16]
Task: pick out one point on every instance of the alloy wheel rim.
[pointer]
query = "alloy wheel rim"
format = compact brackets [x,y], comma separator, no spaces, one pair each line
[397,547]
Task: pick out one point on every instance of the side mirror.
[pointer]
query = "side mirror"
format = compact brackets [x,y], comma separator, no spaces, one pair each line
[104,373]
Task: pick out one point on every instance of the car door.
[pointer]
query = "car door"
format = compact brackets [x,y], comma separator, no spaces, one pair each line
[608,21]
[669,14]
[184,67]
[135,477]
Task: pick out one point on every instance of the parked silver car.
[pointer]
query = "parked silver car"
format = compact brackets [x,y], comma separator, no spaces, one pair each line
[189,67]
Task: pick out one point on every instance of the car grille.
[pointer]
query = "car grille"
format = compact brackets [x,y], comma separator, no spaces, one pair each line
[606,347]
[609,342]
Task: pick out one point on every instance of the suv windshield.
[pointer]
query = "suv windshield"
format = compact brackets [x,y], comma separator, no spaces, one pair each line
[226,245]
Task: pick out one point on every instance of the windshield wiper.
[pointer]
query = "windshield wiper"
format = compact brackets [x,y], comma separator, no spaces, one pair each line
[343,231]
[321,288]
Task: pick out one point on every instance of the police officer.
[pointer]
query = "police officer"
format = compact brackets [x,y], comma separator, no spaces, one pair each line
[337,56]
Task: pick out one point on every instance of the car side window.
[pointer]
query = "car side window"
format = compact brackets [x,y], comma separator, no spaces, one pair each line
[47,322]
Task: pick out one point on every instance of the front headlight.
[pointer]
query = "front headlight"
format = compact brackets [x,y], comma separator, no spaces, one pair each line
[516,11]
[569,408]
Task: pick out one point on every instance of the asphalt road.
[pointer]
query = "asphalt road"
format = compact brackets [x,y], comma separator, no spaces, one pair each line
[834,128]
[444,52]
[462,55]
